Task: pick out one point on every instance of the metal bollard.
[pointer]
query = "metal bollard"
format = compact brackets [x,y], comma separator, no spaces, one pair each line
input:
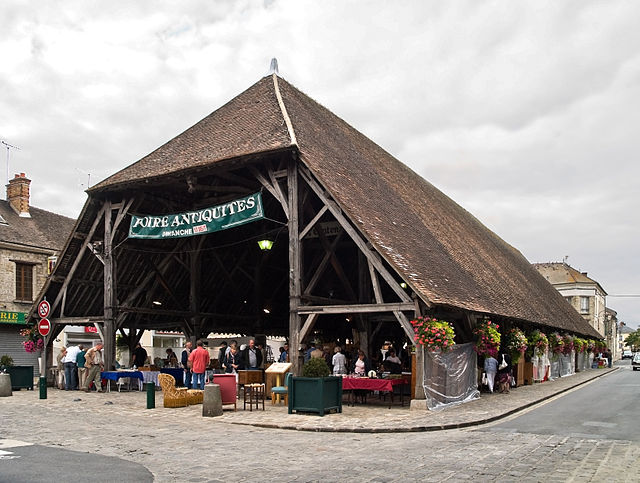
[43,387]
[151,395]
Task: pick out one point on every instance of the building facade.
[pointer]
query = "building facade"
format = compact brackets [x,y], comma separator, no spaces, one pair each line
[30,239]
[581,292]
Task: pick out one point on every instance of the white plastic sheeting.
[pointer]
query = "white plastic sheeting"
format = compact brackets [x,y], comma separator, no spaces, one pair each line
[541,367]
[567,364]
[450,378]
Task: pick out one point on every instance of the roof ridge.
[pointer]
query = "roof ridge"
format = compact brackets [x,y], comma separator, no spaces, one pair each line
[283,109]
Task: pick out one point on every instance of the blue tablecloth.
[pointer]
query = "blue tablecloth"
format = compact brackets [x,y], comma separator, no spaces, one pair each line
[115,375]
[177,373]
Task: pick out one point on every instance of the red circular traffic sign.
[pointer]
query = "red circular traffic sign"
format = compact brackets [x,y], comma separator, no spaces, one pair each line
[44,326]
[43,309]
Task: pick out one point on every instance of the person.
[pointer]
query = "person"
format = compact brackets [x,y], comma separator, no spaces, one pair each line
[326,353]
[172,358]
[82,370]
[284,353]
[361,367]
[232,360]
[280,356]
[339,362]
[199,360]
[63,353]
[392,363]
[504,373]
[185,363]
[251,357]
[609,357]
[222,353]
[93,362]
[490,369]
[307,353]
[139,356]
[317,354]
[71,369]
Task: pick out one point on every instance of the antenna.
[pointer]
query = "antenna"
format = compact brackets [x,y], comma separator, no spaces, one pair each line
[8,147]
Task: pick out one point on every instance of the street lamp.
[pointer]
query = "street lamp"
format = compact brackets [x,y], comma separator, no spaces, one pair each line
[265,245]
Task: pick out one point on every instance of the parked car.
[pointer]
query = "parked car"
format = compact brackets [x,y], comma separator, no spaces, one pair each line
[635,362]
[627,354]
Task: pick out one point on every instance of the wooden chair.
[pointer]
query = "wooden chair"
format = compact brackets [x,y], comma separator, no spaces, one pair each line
[281,390]
[174,397]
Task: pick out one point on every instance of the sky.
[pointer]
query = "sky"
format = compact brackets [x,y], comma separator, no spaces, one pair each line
[526,113]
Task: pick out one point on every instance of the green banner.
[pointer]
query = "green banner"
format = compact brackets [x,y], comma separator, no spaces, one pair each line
[201,222]
[18,318]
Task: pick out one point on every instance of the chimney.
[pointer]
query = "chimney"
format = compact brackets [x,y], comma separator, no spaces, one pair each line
[18,195]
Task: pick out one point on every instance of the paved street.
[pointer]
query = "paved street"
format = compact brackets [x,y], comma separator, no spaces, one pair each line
[178,444]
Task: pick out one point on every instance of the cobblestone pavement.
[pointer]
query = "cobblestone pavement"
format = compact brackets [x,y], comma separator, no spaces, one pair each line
[179,444]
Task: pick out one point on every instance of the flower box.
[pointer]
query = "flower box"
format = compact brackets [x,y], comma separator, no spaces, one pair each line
[21,377]
[315,394]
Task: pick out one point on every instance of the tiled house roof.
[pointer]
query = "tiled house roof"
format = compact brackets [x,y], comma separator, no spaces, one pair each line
[42,230]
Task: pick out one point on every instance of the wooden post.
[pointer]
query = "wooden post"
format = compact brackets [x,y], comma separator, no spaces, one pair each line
[294,267]
[109,293]
[194,289]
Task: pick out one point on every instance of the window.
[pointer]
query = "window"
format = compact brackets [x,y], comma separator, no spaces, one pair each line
[584,305]
[24,281]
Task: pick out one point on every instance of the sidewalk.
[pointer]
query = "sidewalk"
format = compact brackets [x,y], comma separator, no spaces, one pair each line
[374,418]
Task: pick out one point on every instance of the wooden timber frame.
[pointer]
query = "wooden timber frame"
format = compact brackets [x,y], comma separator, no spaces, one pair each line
[127,304]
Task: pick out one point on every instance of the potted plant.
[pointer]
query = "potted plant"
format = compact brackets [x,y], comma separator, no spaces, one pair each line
[433,334]
[316,391]
[487,338]
[5,362]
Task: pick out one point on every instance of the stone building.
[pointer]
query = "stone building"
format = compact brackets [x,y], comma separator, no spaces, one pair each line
[30,239]
[583,293]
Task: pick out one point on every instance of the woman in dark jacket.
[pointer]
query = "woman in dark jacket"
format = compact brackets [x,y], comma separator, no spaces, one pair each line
[232,361]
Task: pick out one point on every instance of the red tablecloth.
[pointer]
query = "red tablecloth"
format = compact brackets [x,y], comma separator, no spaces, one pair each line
[349,383]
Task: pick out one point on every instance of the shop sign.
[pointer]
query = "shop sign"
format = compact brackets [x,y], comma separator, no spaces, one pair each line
[200,222]
[18,318]
[91,329]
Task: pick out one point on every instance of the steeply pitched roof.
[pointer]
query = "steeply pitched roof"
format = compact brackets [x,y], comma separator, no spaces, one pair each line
[445,254]
[42,230]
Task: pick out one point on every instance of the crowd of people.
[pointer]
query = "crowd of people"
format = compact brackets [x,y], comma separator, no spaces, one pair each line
[79,368]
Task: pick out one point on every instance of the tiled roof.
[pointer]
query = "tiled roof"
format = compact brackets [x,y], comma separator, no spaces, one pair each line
[558,272]
[42,230]
[446,255]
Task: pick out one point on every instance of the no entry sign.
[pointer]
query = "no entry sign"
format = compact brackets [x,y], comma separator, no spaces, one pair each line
[43,309]
[44,326]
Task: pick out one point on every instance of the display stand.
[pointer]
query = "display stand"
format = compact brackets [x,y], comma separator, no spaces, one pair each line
[275,376]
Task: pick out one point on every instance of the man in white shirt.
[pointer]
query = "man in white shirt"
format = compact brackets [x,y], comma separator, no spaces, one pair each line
[71,368]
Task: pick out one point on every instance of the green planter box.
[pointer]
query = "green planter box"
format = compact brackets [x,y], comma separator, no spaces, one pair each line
[21,376]
[315,394]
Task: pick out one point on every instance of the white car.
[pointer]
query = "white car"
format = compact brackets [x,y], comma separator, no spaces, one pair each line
[635,362]
[627,354]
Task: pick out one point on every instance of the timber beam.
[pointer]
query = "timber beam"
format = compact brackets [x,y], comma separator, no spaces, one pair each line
[355,308]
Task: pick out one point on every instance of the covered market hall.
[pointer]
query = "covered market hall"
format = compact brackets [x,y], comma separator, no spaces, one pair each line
[359,244]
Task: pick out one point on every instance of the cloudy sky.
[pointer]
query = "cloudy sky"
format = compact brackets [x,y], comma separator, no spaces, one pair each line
[525,113]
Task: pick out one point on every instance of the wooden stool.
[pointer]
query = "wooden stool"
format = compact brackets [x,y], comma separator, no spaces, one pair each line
[254,394]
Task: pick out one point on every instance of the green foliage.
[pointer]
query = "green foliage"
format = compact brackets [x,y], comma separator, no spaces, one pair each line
[538,343]
[121,342]
[6,361]
[633,340]
[315,367]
